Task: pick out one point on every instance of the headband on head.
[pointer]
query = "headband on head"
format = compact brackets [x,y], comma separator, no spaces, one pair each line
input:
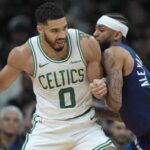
[113,24]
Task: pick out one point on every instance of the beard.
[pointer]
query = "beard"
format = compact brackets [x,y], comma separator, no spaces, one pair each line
[122,139]
[105,44]
[51,44]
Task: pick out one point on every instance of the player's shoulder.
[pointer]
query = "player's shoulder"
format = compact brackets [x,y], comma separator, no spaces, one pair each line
[89,46]
[84,38]
[116,51]
[114,54]
[21,50]
[19,56]
[120,50]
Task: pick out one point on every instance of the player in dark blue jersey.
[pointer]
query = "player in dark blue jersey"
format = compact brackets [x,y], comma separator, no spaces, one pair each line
[127,78]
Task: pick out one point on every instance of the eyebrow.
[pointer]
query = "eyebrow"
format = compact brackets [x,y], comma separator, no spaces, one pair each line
[57,27]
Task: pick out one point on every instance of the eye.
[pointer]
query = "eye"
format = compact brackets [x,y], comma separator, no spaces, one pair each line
[54,30]
[65,28]
[101,30]
[6,119]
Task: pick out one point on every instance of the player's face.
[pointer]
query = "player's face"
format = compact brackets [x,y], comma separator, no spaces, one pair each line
[104,36]
[55,33]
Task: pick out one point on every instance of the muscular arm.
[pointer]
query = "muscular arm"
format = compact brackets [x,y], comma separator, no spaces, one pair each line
[16,63]
[9,73]
[113,64]
[92,55]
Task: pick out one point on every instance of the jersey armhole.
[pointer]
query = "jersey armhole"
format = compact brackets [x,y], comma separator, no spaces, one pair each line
[79,47]
[34,58]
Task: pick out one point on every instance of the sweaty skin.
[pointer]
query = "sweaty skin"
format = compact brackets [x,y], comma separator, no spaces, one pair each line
[20,58]
[117,63]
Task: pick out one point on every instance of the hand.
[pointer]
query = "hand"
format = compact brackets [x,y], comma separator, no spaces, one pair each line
[99,88]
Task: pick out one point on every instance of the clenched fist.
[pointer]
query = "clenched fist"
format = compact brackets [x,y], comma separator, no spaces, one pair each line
[99,88]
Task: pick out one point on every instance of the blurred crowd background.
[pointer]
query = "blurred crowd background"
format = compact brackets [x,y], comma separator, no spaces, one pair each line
[17,24]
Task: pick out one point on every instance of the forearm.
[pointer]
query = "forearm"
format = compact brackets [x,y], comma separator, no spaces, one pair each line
[113,104]
[114,83]
[113,64]
[104,112]
[7,77]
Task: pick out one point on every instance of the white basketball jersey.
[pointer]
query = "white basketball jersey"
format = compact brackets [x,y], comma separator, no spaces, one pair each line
[61,86]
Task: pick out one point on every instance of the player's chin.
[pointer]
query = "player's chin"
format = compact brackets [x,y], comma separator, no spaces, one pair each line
[58,49]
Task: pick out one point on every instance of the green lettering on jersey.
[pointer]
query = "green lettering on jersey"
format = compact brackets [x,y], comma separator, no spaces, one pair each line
[62,75]
[65,100]
[61,78]
[68,77]
[81,74]
[56,83]
[73,75]
[48,76]
[41,78]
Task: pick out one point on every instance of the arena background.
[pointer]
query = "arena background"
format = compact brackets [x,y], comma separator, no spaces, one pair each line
[17,24]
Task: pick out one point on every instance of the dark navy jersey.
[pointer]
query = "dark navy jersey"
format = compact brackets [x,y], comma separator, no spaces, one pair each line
[135,110]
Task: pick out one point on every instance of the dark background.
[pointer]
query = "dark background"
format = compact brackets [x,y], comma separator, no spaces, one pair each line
[17,24]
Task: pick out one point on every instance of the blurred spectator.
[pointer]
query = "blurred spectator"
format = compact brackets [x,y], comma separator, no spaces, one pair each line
[121,136]
[3,147]
[17,24]
[11,120]
[19,30]
[27,102]
[28,110]
[12,92]
[79,15]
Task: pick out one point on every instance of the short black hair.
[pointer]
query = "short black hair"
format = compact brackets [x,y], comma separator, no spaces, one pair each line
[48,11]
[118,16]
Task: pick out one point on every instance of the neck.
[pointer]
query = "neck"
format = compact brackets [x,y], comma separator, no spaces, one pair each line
[116,42]
[58,55]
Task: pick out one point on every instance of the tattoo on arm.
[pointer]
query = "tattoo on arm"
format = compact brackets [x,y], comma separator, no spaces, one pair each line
[84,35]
[115,84]
[114,77]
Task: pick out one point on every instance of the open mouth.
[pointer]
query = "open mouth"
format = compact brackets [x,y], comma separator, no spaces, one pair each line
[61,42]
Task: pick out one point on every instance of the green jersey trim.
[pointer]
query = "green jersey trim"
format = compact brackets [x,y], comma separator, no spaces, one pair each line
[53,60]
[79,47]
[104,145]
[87,111]
[34,122]
[33,57]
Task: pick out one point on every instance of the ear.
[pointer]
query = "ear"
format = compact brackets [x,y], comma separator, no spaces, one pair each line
[39,29]
[117,35]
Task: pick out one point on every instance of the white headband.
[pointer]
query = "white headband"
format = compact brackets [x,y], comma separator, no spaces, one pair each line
[113,24]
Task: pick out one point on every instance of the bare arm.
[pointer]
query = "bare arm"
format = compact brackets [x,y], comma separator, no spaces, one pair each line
[9,73]
[113,64]
[105,113]
[16,63]
[92,54]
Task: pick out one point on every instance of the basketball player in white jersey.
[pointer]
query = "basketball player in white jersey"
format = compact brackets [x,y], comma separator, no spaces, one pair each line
[61,62]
